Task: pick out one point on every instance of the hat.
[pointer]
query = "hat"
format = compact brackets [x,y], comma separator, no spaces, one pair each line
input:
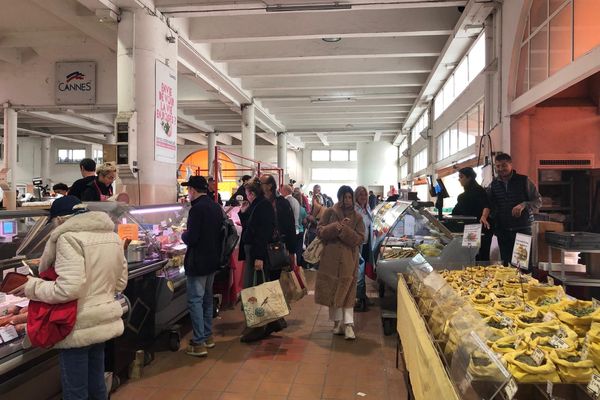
[64,206]
[197,182]
[246,178]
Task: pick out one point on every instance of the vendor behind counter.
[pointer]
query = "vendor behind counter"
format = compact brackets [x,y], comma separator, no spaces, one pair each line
[100,189]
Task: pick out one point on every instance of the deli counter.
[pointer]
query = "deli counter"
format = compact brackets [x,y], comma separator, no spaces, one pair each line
[153,301]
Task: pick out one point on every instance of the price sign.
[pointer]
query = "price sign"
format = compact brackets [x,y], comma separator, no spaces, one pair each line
[128,231]
[549,316]
[561,333]
[518,341]
[558,343]
[521,250]
[506,321]
[550,280]
[584,351]
[511,389]
[528,308]
[472,236]
[594,386]
[538,356]
[8,333]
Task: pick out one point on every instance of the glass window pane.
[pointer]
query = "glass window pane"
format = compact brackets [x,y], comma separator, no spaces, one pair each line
[334,174]
[473,122]
[449,91]
[481,128]
[63,155]
[446,144]
[320,155]
[470,140]
[461,77]
[477,58]
[438,104]
[538,59]
[339,155]
[353,155]
[453,139]
[587,26]
[78,155]
[538,14]
[560,40]
[523,71]
[462,133]
[555,5]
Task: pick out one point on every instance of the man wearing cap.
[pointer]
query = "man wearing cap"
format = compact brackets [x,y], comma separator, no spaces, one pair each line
[202,258]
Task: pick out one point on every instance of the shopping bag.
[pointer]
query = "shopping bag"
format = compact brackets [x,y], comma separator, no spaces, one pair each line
[293,284]
[263,303]
[312,254]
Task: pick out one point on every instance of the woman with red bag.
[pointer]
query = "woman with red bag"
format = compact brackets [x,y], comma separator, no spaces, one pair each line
[90,267]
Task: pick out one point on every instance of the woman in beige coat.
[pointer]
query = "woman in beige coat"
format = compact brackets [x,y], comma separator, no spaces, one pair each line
[342,232]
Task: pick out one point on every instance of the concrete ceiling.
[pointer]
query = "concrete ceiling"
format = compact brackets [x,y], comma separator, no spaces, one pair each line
[366,81]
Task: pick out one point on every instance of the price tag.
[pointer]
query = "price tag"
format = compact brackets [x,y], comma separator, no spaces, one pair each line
[594,386]
[549,388]
[518,341]
[595,302]
[8,333]
[128,231]
[538,356]
[485,282]
[23,270]
[511,389]
[561,333]
[549,316]
[550,280]
[472,236]
[521,250]
[506,321]
[584,351]
[528,308]
[558,343]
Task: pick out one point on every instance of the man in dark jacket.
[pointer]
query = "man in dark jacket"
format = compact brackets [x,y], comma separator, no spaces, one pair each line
[513,200]
[87,167]
[202,258]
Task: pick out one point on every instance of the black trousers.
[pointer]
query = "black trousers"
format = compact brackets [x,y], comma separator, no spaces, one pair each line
[506,242]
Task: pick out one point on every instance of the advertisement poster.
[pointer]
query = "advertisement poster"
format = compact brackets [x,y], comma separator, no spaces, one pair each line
[521,251]
[472,235]
[165,123]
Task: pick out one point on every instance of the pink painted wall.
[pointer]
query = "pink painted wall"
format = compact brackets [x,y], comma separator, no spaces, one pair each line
[554,130]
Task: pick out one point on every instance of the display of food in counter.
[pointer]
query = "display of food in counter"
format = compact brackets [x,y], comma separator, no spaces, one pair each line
[13,318]
[538,332]
[398,252]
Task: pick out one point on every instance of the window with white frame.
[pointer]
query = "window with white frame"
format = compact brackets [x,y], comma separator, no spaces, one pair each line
[319,155]
[420,160]
[339,155]
[421,124]
[333,155]
[466,71]
[353,155]
[404,170]
[98,156]
[333,174]
[461,134]
[403,146]
[70,156]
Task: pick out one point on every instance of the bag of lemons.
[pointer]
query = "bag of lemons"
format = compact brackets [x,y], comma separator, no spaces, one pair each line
[571,368]
[522,366]
[577,314]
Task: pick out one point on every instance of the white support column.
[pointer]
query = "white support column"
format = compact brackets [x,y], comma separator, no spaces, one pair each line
[10,157]
[248,131]
[45,167]
[212,142]
[282,153]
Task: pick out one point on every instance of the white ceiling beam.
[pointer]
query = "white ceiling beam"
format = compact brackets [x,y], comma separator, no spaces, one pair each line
[69,120]
[185,8]
[426,46]
[377,136]
[105,34]
[194,122]
[333,67]
[409,92]
[94,5]
[224,138]
[201,104]
[316,25]
[198,138]
[345,131]
[327,82]
[323,138]
[14,56]
[104,119]
[65,38]
[180,141]
[341,112]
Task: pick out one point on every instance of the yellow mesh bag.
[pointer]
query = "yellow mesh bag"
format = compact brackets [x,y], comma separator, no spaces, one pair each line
[537,291]
[526,373]
[570,368]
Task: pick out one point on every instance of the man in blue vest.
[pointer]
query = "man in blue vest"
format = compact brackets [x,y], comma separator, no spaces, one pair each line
[513,200]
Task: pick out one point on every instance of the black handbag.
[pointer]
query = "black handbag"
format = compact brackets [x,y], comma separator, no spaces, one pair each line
[277,252]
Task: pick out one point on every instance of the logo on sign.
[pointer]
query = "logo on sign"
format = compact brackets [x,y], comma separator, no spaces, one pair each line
[75,86]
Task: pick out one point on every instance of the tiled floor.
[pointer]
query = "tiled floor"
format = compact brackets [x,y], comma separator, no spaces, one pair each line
[303,362]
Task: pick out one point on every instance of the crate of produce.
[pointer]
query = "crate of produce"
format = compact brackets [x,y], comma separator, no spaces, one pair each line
[574,240]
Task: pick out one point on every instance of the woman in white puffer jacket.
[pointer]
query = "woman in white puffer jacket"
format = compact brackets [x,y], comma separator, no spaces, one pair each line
[88,258]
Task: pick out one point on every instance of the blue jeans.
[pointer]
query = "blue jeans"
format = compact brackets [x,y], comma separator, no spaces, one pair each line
[82,373]
[200,304]
[361,285]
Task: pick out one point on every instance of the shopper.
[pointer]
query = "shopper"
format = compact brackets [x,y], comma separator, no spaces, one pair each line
[87,167]
[513,200]
[305,202]
[471,203]
[342,231]
[327,201]
[60,189]
[364,210]
[372,200]
[202,258]
[258,224]
[87,255]
[315,215]
[100,188]
[286,192]
[302,222]
[212,188]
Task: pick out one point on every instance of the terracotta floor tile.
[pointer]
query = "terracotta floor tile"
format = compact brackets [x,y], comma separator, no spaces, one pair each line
[203,395]
[247,386]
[280,376]
[130,392]
[236,396]
[339,392]
[260,396]
[306,391]
[248,374]
[212,383]
[310,378]
[169,394]
[274,388]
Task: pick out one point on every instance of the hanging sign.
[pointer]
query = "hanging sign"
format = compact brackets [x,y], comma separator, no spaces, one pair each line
[521,251]
[165,115]
[472,236]
[75,83]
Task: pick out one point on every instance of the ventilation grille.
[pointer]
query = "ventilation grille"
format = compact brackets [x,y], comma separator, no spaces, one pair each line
[585,163]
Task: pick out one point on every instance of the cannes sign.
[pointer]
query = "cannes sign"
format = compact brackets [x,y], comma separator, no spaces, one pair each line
[75,83]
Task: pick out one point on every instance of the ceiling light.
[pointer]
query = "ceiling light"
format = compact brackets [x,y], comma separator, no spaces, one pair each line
[317,100]
[309,7]
[331,39]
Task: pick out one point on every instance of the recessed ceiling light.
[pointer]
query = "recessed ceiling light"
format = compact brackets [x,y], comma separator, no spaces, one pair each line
[331,39]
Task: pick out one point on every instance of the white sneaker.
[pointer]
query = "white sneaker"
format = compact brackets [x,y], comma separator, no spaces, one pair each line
[349,332]
[338,328]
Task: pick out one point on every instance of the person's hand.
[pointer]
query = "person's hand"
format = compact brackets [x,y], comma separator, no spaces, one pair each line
[258,265]
[518,210]
[485,222]
[346,221]
[19,291]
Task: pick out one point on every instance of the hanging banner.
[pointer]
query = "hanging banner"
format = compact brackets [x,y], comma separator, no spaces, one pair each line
[521,251]
[165,115]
